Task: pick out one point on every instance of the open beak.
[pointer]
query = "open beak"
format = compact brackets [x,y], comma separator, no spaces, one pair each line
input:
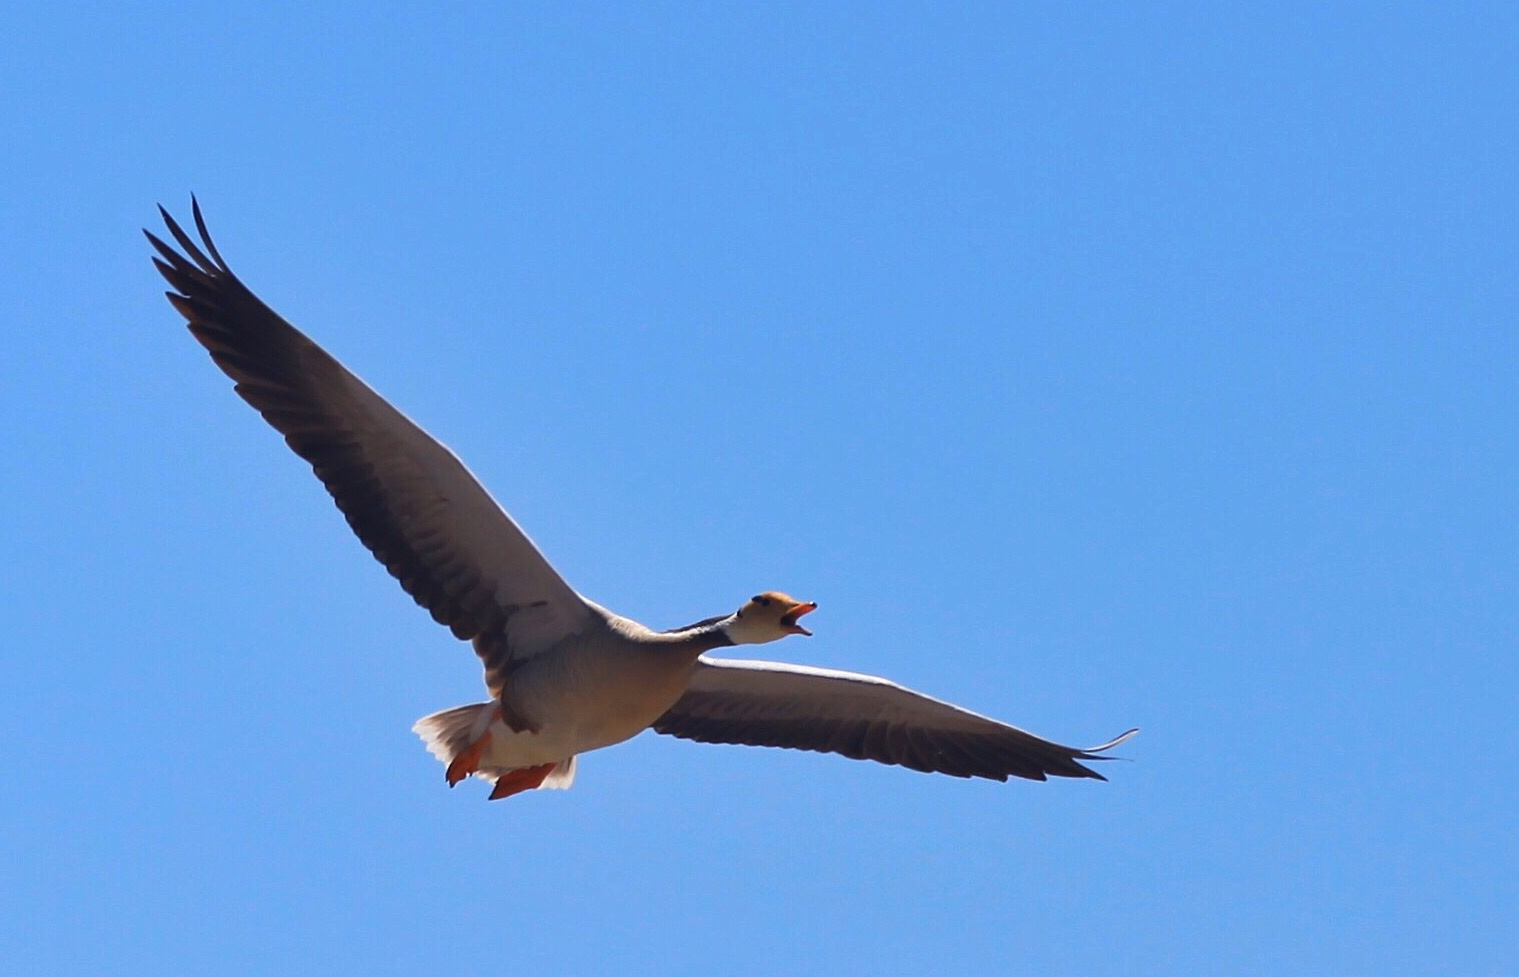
[788,620]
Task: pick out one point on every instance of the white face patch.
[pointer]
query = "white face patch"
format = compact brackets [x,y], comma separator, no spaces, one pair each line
[759,620]
[750,627]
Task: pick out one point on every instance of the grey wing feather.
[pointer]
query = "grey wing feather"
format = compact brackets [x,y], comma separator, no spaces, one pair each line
[760,703]
[406,496]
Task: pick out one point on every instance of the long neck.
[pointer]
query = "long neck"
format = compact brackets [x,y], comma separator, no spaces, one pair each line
[697,639]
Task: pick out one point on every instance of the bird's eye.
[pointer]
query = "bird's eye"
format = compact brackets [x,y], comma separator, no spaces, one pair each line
[757,599]
[764,601]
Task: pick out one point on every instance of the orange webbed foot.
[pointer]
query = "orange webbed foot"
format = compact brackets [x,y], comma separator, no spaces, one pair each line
[520,780]
[468,760]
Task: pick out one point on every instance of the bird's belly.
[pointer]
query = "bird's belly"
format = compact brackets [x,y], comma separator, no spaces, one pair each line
[581,703]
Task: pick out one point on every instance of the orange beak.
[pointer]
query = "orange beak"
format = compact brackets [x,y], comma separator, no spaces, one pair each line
[788,620]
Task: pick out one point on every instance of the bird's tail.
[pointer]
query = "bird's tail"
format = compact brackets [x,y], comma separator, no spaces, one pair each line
[446,734]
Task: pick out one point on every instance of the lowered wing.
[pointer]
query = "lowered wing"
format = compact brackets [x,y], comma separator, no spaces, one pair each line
[761,703]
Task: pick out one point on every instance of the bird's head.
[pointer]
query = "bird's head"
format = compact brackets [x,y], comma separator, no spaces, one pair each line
[768,617]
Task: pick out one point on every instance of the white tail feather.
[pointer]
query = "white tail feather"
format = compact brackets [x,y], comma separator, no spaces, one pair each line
[450,731]
[447,733]
[561,777]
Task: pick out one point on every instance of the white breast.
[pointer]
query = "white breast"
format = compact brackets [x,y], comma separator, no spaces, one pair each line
[586,695]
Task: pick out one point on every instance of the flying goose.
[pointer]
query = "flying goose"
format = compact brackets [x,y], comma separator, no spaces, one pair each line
[565,675]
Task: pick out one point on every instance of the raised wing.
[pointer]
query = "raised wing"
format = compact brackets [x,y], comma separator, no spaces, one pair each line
[760,703]
[407,497]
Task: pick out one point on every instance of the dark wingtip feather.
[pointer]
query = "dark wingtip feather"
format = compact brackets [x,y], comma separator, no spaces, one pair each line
[205,235]
[168,253]
[1118,740]
[192,251]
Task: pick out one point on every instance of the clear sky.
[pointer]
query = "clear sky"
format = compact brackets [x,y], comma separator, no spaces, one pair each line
[1092,366]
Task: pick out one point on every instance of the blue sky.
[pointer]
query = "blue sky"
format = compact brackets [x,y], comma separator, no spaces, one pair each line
[1091,367]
